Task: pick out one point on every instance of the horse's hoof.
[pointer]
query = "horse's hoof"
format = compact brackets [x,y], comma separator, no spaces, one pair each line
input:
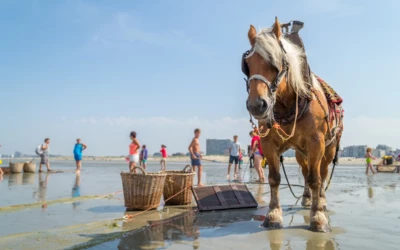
[273,220]
[272,225]
[319,228]
[319,223]
[306,202]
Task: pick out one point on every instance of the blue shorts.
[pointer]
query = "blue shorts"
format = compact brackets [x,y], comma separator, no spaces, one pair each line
[78,157]
[196,162]
[234,159]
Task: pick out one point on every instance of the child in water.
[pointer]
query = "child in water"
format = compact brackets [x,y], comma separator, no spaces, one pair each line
[368,156]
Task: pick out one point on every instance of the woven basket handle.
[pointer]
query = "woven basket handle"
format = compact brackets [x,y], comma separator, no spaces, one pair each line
[185,169]
[143,171]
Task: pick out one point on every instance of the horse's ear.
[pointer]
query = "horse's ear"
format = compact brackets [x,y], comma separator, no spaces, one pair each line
[277,29]
[252,35]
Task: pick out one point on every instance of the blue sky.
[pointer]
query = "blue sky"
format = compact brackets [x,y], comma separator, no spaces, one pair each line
[99,69]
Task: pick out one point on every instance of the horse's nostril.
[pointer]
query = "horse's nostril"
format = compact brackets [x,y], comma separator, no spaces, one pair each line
[263,104]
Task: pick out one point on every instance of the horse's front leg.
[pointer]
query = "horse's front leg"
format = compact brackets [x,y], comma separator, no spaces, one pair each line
[316,149]
[273,219]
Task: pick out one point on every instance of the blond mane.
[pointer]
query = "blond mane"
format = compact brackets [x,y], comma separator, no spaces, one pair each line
[268,47]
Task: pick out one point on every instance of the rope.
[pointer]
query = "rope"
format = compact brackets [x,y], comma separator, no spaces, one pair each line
[245,170]
[287,179]
[278,127]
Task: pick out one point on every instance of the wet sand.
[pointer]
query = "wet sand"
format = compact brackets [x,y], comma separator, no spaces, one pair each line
[86,212]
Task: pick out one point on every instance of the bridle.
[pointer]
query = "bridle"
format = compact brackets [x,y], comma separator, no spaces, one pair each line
[272,86]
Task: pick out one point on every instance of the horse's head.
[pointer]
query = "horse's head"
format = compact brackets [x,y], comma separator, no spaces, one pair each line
[266,67]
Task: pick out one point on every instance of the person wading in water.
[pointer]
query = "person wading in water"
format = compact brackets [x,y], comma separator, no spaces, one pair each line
[195,156]
[79,147]
[133,152]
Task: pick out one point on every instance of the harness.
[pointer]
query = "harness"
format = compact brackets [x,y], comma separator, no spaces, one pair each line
[302,104]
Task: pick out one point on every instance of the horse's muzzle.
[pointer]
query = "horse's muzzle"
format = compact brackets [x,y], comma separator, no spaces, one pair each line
[257,107]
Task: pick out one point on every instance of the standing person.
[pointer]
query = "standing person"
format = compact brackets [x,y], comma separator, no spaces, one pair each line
[234,150]
[368,156]
[258,155]
[133,152]
[143,157]
[195,156]
[164,156]
[43,152]
[79,147]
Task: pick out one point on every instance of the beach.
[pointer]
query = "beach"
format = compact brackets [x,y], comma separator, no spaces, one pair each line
[207,158]
[66,211]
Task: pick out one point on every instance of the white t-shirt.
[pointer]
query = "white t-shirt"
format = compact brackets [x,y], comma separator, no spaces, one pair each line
[235,146]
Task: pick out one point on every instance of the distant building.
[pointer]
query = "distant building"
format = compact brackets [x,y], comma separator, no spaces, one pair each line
[378,153]
[217,146]
[385,148]
[357,151]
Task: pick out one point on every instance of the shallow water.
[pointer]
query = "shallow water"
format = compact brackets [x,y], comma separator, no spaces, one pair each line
[363,213]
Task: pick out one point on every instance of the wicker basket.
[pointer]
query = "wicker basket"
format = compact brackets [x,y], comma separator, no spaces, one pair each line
[175,182]
[16,167]
[29,167]
[142,191]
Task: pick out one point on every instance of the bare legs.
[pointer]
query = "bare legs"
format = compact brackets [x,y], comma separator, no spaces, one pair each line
[369,166]
[163,164]
[229,171]
[257,165]
[132,166]
[199,174]
[78,166]
[47,166]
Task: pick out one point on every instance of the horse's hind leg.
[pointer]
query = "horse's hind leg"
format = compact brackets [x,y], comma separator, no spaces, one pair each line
[316,149]
[273,219]
[324,170]
[302,160]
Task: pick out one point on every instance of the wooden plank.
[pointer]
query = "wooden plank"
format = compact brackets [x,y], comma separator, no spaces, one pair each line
[237,194]
[220,197]
[223,197]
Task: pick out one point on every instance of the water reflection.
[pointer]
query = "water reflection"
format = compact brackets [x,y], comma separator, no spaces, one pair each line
[40,194]
[15,179]
[370,184]
[76,189]
[192,228]
[28,179]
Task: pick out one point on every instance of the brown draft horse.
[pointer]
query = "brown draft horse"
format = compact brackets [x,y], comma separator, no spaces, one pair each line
[292,113]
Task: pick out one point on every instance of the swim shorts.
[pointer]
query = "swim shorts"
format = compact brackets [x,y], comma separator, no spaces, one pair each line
[196,162]
[44,159]
[234,159]
[134,158]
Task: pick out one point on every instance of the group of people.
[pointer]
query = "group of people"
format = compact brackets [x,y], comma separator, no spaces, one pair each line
[255,154]
[43,151]
[138,155]
[369,157]
[135,157]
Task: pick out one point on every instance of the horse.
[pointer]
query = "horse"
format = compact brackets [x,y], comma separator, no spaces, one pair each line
[292,110]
